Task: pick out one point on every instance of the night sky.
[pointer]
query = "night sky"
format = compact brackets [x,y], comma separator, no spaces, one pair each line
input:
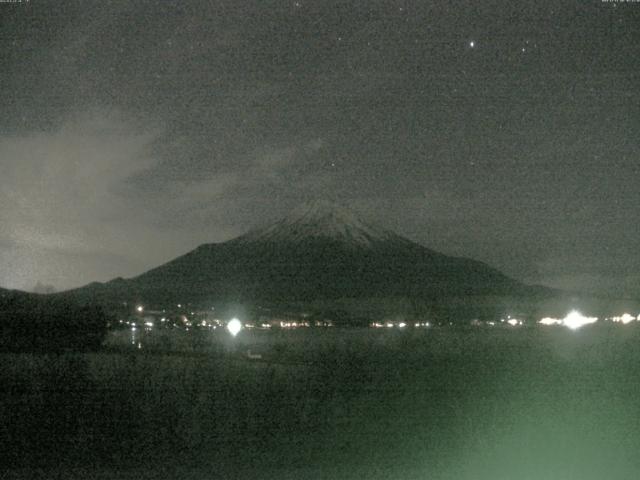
[506,131]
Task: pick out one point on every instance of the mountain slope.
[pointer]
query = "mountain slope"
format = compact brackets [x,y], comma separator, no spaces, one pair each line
[319,251]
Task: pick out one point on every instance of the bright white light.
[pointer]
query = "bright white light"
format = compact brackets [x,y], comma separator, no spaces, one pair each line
[513,322]
[140,308]
[575,320]
[624,318]
[234,326]
[472,44]
[149,324]
[550,321]
[402,324]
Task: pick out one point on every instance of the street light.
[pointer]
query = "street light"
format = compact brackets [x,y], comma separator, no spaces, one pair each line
[574,320]
[234,326]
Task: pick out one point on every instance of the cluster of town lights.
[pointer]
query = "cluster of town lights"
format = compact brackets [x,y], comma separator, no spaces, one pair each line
[625,318]
[575,320]
[399,324]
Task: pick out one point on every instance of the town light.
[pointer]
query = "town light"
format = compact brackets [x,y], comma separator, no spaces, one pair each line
[140,309]
[234,326]
[550,321]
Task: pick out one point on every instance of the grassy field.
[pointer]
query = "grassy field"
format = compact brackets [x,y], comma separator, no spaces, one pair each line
[458,404]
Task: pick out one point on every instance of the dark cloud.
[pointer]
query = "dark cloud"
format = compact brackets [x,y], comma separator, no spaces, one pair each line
[133,131]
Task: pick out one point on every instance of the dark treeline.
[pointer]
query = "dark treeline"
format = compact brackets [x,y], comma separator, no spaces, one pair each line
[39,323]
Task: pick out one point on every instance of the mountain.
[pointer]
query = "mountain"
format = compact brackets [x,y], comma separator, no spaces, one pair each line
[320,251]
[8,297]
[32,322]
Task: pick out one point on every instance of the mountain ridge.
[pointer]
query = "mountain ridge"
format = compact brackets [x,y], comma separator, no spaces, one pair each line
[319,251]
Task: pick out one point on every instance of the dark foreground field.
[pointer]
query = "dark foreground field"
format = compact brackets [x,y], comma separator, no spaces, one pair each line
[527,404]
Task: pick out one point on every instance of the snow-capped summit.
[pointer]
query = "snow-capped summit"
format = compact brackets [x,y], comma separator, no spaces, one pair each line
[320,219]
